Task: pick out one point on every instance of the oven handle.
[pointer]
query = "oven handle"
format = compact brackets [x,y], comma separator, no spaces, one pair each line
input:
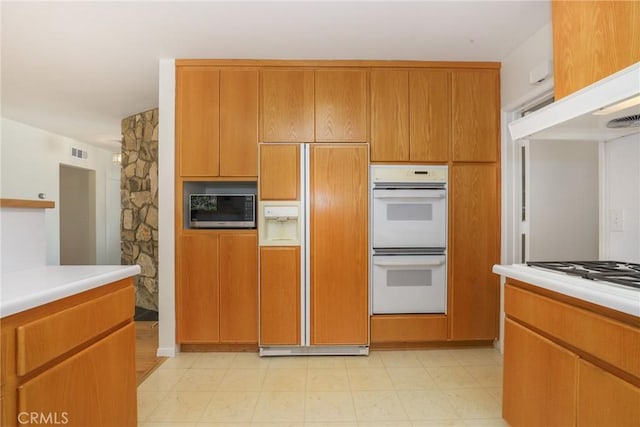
[409,194]
[409,264]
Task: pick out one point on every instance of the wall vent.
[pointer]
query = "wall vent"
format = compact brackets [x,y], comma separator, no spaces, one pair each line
[80,154]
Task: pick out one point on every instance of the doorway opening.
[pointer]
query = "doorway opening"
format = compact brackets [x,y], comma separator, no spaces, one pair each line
[77,216]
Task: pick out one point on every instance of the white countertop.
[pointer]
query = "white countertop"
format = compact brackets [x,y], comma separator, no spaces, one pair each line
[616,297]
[25,289]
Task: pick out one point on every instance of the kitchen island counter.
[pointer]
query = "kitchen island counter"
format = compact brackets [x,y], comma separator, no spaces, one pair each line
[615,297]
[25,289]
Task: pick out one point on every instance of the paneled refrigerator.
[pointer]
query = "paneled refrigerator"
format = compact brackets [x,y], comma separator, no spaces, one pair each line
[313,236]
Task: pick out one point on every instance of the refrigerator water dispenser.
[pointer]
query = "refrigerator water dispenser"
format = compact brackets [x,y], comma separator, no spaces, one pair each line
[279,223]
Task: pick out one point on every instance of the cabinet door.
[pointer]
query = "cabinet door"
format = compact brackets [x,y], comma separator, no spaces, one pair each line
[389,116]
[197,289]
[197,120]
[430,115]
[475,115]
[539,380]
[339,245]
[239,288]
[280,295]
[605,400]
[95,387]
[239,123]
[287,106]
[341,106]
[279,171]
[474,229]
[591,40]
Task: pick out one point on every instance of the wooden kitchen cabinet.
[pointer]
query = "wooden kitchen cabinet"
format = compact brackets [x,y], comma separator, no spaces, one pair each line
[239,288]
[198,288]
[474,236]
[239,123]
[604,399]
[389,115]
[592,40]
[540,380]
[216,122]
[410,115]
[217,287]
[287,105]
[475,115]
[72,360]
[341,105]
[339,244]
[279,295]
[279,171]
[198,120]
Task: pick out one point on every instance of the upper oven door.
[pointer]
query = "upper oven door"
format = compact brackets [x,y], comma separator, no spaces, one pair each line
[409,218]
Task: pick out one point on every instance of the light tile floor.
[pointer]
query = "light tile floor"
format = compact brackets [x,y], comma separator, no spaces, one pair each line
[454,387]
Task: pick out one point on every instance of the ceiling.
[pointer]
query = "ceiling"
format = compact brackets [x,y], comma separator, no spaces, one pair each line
[78,68]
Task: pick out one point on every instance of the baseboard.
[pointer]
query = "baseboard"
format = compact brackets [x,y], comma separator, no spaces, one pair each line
[166,352]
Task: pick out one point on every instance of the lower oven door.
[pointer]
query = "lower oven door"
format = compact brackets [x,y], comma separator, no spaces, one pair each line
[409,284]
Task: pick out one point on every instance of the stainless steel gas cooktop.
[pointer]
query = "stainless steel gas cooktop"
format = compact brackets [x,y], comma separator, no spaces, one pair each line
[620,273]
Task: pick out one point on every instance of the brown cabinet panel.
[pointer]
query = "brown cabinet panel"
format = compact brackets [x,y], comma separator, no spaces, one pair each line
[198,289]
[341,98]
[430,115]
[280,295]
[474,229]
[404,328]
[279,171]
[239,288]
[239,123]
[339,246]
[539,380]
[95,387]
[389,115]
[287,105]
[197,120]
[591,40]
[475,115]
[604,399]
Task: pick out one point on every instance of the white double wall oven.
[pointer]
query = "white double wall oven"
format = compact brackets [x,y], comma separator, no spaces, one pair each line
[409,239]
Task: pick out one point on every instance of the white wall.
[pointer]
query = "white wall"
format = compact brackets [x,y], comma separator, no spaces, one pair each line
[30,162]
[514,75]
[622,193]
[563,200]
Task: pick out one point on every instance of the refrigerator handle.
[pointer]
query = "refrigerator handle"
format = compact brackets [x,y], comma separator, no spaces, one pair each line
[307,243]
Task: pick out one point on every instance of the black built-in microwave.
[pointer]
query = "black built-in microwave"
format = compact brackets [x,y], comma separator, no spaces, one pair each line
[222,210]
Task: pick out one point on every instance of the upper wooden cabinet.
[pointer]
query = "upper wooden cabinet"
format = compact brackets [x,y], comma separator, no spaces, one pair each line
[279,171]
[475,115]
[591,40]
[341,111]
[197,120]
[287,105]
[239,123]
[410,115]
[216,122]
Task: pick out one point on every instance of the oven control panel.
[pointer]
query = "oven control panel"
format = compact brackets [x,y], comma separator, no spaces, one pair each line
[408,174]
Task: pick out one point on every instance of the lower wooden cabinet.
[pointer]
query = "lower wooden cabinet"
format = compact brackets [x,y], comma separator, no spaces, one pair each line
[539,380]
[72,361]
[474,236]
[217,287]
[567,364]
[280,295]
[604,399]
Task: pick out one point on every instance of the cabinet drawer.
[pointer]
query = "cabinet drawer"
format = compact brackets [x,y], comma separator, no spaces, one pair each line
[608,340]
[45,339]
[400,328]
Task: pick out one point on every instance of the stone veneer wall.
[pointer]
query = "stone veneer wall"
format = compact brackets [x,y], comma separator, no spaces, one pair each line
[139,200]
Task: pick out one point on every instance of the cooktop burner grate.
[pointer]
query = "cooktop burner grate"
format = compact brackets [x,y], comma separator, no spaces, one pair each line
[621,273]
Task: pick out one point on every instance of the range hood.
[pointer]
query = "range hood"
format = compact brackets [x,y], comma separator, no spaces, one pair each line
[584,115]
